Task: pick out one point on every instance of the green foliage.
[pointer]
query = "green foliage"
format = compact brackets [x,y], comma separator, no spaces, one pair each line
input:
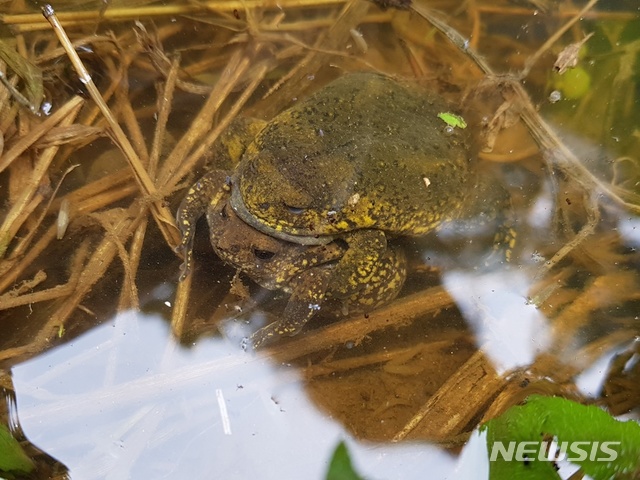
[12,457]
[340,467]
[551,418]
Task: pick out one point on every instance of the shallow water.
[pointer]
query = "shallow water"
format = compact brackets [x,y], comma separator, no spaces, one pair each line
[170,411]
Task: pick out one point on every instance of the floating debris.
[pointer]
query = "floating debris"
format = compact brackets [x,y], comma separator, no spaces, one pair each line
[452,120]
[569,56]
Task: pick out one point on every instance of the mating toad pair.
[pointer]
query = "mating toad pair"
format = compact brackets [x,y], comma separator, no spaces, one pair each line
[318,191]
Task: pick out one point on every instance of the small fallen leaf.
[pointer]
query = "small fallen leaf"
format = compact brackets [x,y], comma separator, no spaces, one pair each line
[452,119]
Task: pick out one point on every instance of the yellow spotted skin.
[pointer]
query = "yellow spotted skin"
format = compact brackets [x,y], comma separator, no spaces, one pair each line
[364,135]
[306,202]
[304,271]
[361,159]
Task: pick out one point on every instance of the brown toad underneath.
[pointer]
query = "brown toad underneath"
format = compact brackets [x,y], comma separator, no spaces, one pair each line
[303,271]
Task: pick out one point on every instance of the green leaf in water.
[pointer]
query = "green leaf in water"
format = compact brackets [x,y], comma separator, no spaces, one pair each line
[12,457]
[452,119]
[340,467]
[522,442]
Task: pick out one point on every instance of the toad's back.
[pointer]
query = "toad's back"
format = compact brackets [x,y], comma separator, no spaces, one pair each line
[363,152]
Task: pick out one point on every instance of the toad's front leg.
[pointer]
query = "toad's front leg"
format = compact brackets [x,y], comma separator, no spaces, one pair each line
[206,192]
[308,292]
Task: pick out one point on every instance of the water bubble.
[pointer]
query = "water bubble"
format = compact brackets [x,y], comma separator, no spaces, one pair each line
[555,96]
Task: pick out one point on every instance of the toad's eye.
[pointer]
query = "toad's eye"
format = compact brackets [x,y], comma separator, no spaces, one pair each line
[265,255]
[294,210]
[223,213]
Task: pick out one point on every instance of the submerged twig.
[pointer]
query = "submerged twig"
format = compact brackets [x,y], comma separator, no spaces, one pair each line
[164,108]
[130,121]
[350,15]
[15,93]
[91,273]
[18,212]
[163,217]
[585,231]
[531,61]
[213,134]
[453,35]
[11,300]
[561,155]
[87,199]
[601,292]
[237,66]
[385,356]
[443,416]
[397,314]
[35,22]
[36,133]
[26,240]
[180,304]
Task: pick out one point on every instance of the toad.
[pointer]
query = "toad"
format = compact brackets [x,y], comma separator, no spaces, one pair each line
[323,185]
[362,159]
[303,271]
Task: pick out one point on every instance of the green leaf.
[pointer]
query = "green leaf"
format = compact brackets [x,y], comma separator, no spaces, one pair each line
[452,119]
[12,457]
[340,467]
[546,419]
